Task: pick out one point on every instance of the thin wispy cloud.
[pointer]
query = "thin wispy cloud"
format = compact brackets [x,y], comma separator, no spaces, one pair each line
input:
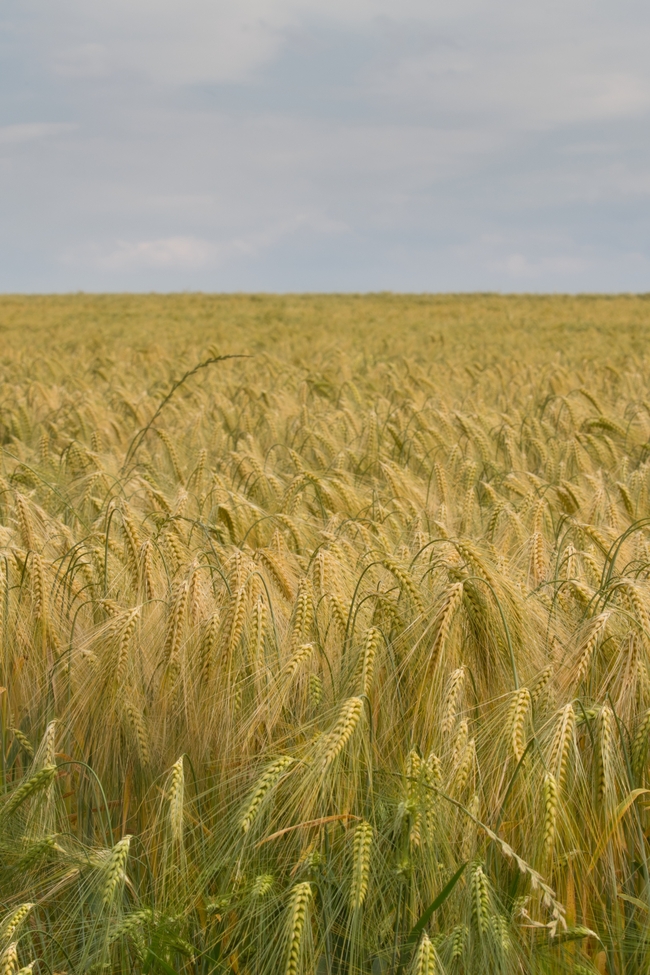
[183,253]
[32,131]
[168,252]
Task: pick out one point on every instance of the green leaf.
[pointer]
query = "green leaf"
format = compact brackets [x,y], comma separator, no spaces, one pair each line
[574,934]
[419,927]
[635,901]
[153,962]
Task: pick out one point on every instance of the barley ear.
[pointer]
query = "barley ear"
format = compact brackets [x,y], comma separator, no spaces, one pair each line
[550,813]
[12,921]
[300,898]
[425,959]
[480,900]
[9,960]
[35,783]
[349,718]
[360,864]
[115,870]
[176,798]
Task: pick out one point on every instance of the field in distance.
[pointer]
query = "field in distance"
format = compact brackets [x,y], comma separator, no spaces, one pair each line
[333,657]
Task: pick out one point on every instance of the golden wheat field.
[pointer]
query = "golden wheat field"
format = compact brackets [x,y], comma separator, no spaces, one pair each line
[332,658]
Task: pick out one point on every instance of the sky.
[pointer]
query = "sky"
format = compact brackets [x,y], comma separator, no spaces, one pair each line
[325,145]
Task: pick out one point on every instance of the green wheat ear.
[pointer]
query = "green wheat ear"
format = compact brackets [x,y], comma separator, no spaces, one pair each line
[363,836]
[38,782]
[115,869]
[300,899]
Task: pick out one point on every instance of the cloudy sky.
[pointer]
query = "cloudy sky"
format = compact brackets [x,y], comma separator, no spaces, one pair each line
[331,145]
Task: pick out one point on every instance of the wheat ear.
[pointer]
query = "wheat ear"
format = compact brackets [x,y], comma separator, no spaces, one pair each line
[35,783]
[405,582]
[9,960]
[269,778]
[262,885]
[363,836]
[25,522]
[174,627]
[541,684]
[371,643]
[302,653]
[605,751]
[459,937]
[126,631]
[519,710]
[115,869]
[130,924]
[300,898]
[454,689]
[640,745]
[562,744]
[425,959]
[480,900]
[40,588]
[304,614]
[550,812]
[10,924]
[465,767]
[453,599]
[137,721]
[23,741]
[349,718]
[176,798]
[315,690]
[586,654]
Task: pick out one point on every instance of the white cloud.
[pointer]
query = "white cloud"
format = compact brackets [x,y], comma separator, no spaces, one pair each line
[166,252]
[518,266]
[194,253]
[32,131]
[253,243]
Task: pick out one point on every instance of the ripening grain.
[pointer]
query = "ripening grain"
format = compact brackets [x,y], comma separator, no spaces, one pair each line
[351,627]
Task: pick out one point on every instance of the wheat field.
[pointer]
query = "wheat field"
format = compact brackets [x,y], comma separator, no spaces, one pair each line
[325,635]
